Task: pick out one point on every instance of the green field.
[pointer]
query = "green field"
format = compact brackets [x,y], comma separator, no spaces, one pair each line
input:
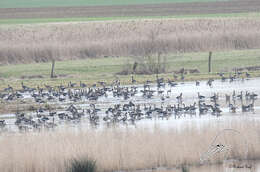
[93,70]
[56,20]
[71,3]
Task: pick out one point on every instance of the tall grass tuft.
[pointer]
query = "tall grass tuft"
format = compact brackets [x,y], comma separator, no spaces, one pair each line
[81,165]
[184,168]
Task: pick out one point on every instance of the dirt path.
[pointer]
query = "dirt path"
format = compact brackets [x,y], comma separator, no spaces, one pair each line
[238,6]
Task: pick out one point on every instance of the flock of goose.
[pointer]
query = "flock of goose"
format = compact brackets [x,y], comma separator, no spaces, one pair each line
[79,102]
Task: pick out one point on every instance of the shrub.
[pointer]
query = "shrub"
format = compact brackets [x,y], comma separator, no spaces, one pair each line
[184,168]
[150,64]
[81,165]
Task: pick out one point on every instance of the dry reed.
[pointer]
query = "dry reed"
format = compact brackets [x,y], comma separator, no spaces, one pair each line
[43,42]
[121,149]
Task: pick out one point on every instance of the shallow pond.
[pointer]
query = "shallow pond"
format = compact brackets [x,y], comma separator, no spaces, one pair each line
[190,95]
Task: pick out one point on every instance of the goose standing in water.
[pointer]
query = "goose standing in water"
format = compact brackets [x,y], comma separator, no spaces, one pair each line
[200,96]
[232,108]
[227,98]
[209,83]
[133,80]
[179,98]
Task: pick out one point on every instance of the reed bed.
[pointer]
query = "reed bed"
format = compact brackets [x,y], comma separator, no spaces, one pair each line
[68,41]
[115,149]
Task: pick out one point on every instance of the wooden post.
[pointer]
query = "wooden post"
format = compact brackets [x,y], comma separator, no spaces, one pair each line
[159,63]
[210,54]
[134,67]
[52,68]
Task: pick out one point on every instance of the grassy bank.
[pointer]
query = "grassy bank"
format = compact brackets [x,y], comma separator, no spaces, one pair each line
[71,3]
[105,69]
[117,149]
[86,19]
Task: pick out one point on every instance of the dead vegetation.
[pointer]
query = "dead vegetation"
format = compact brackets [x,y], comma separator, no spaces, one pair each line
[137,38]
[249,68]
[31,77]
[122,148]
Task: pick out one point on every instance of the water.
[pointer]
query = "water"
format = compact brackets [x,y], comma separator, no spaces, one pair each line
[229,166]
[190,95]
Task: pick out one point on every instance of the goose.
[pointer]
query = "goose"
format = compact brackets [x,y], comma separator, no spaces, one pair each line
[234,95]
[175,77]
[240,96]
[160,84]
[133,80]
[61,87]
[210,81]
[179,98]
[9,88]
[223,79]
[200,96]
[82,85]
[51,114]
[23,86]
[162,98]
[253,96]
[148,82]
[47,87]
[182,77]
[227,98]
[247,95]
[160,92]
[72,109]
[214,98]
[171,83]
[18,95]
[62,99]
[247,75]
[247,108]
[216,111]
[146,86]
[71,85]
[2,123]
[102,83]
[232,108]
[193,108]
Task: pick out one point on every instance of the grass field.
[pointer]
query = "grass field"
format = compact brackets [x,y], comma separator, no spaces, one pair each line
[71,3]
[30,44]
[89,19]
[93,70]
